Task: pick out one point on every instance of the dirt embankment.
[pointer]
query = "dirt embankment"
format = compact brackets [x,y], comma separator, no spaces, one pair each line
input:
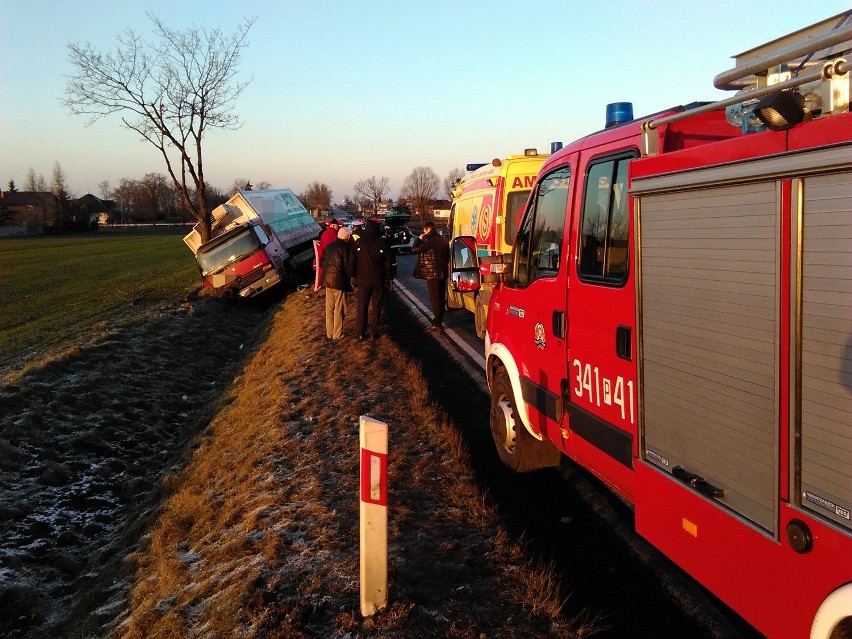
[147,492]
[260,538]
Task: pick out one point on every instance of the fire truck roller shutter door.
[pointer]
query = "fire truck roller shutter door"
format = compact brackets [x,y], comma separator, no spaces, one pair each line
[710,339]
[825,351]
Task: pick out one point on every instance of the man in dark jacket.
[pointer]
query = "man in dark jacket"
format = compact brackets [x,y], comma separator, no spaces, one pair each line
[433,259]
[370,266]
[335,279]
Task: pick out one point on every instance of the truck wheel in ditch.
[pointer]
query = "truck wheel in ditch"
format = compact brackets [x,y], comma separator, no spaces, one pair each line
[479,317]
[519,450]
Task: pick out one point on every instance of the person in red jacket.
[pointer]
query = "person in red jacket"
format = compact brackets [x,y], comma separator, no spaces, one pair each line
[328,236]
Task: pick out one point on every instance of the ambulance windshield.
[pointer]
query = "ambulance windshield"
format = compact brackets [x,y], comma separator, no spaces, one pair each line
[515,201]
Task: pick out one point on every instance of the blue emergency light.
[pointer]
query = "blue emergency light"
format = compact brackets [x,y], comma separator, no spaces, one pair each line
[618,113]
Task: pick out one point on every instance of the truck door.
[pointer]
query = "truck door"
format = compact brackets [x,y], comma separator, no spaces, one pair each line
[601,393]
[534,302]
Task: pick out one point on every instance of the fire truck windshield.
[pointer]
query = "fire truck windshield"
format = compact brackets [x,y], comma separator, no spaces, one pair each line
[231,250]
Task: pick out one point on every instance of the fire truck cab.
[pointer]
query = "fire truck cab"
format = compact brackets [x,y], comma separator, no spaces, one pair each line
[676,316]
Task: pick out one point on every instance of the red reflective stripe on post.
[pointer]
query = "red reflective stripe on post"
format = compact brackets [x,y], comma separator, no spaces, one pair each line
[373,442]
[374,477]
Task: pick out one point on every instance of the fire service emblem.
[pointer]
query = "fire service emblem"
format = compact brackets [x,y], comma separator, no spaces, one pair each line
[540,340]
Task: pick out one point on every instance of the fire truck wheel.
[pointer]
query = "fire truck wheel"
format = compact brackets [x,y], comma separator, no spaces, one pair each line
[519,450]
[480,315]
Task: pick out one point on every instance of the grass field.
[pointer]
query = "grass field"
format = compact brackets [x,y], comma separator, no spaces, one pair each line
[59,291]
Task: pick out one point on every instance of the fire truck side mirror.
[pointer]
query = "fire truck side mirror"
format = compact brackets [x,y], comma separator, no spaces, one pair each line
[464,265]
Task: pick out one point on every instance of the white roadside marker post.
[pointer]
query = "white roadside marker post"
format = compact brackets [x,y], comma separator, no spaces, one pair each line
[374,515]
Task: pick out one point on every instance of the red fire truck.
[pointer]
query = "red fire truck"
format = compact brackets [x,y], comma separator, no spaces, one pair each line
[676,317]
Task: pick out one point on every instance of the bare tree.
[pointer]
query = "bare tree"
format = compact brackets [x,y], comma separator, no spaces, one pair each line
[59,187]
[60,190]
[125,197]
[169,91]
[35,182]
[155,196]
[317,197]
[372,190]
[104,189]
[242,184]
[32,180]
[452,181]
[216,196]
[420,187]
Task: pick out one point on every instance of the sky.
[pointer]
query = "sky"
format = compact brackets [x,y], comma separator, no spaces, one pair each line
[342,91]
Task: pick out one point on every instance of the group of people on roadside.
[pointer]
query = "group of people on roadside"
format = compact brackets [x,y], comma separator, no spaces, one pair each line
[367,266]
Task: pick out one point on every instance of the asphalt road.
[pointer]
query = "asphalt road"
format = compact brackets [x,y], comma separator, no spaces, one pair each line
[467,349]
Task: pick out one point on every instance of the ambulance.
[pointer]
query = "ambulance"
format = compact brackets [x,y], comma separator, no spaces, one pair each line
[485,205]
[675,316]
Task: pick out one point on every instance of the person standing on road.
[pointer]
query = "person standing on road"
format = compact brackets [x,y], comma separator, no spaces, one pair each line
[335,279]
[370,267]
[433,259]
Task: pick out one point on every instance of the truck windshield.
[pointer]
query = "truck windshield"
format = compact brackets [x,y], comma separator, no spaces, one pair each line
[231,250]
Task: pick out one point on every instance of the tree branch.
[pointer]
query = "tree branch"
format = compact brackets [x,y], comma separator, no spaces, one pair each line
[169,92]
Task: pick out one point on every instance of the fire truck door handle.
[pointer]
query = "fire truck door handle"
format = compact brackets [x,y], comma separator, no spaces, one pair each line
[559,324]
[698,483]
[622,342]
